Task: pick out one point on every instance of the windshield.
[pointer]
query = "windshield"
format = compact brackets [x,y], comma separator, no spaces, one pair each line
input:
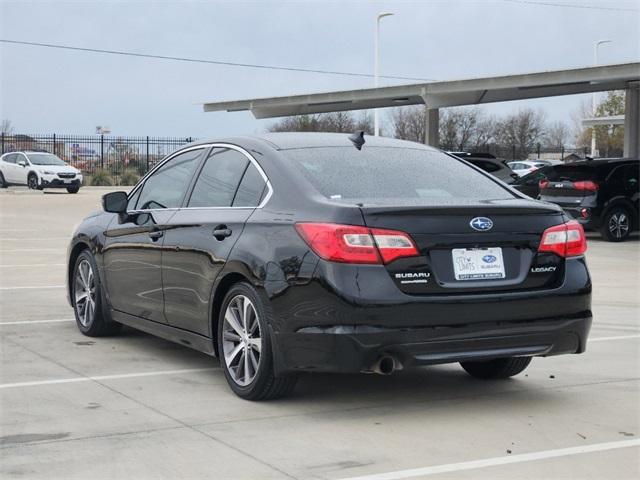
[384,173]
[44,159]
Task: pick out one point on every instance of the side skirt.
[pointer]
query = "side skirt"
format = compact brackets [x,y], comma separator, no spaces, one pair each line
[173,334]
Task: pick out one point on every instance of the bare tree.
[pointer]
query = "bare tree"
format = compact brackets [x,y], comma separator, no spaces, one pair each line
[521,131]
[341,122]
[6,127]
[557,135]
[409,123]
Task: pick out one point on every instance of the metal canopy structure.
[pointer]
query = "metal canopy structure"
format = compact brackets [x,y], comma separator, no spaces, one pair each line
[435,95]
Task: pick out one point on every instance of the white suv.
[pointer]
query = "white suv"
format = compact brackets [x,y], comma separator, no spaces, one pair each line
[38,170]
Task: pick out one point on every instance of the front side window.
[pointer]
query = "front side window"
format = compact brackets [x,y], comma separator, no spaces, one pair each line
[10,158]
[384,174]
[251,189]
[219,179]
[166,187]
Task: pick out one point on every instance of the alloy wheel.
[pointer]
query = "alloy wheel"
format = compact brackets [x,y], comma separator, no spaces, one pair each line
[33,182]
[241,340]
[85,293]
[619,224]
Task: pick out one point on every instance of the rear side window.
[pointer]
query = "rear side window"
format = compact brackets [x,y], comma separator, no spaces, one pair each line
[381,174]
[166,187]
[219,179]
[251,189]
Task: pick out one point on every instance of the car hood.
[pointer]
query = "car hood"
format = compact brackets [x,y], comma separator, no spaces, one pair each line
[57,168]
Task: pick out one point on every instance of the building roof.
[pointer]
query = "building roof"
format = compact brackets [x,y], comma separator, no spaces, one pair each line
[443,94]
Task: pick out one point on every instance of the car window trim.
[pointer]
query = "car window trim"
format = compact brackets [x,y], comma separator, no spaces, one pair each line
[209,147]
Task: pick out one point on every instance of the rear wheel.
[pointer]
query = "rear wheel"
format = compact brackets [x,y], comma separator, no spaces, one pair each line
[616,225]
[498,368]
[73,189]
[3,182]
[244,346]
[86,292]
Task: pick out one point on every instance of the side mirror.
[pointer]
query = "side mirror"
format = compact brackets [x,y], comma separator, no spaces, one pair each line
[115,202]
[22,163]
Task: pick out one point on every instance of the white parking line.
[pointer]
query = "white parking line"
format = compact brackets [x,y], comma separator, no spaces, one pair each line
[492,462]
[12,239]
[619,337]
[32,287]
[14,250]
[34,265]
[24,322]
[103,377]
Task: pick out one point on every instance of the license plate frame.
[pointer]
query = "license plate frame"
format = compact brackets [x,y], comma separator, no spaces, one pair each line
[485,263]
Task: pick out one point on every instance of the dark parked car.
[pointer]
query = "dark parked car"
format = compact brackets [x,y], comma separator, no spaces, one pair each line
[487,162]
[601,194]
[530,184]
[299,252]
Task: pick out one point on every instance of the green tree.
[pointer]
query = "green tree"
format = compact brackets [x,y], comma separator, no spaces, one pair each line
[609,138]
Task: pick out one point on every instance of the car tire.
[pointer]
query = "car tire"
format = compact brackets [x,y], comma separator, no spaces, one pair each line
[73,189]
[244,341]
[32,182]
[3,182]
[89,305]
[616,224]
[497,368]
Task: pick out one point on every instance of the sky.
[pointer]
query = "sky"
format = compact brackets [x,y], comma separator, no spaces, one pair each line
[45,90]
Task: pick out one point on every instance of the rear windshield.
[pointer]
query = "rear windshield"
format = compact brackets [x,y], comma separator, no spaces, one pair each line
[572,173]
[384,173]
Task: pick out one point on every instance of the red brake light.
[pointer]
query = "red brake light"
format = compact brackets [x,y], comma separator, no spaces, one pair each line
[356,244]
[565,240]
[586,185]
[543,184]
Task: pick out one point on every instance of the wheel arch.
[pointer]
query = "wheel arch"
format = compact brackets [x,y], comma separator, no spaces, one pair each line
[222,287]
[74,253]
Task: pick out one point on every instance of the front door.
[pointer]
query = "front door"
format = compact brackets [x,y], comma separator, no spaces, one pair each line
[134,243]
[226,192]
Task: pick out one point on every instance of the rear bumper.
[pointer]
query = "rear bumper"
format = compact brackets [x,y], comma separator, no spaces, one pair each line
[358,352]
[348,317]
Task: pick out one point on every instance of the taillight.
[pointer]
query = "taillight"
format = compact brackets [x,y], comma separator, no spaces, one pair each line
[587,185]
[543,184]
[355,244]
[565,240]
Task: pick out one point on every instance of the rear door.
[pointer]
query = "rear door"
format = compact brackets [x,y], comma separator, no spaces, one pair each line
[9,167]
[201,235]
[133,249]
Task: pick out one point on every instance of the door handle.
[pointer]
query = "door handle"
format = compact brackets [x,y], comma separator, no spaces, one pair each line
[156,234]
[221,232]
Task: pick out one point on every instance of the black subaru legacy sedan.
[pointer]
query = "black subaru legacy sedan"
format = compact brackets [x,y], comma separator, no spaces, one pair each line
[295,252]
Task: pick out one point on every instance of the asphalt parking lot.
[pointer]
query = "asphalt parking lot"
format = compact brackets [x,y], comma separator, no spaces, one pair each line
[135,406]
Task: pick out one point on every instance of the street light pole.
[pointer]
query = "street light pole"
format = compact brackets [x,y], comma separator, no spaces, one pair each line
[376,125]
[593,96]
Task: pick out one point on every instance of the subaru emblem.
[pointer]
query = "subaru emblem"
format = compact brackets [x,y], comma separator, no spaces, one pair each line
[482,224]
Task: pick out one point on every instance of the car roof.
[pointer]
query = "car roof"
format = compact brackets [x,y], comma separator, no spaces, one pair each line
[291,140]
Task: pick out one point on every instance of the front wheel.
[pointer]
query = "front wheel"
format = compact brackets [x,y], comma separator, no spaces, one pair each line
[498,368]
[86,292]
[73,189]
[3,182]
[32,181]
[244,346]
[616,225]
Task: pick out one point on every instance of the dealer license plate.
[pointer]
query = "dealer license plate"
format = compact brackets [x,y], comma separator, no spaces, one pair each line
[478,263]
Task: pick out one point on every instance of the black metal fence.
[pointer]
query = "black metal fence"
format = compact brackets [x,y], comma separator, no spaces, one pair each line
[90,153]
[516,153]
